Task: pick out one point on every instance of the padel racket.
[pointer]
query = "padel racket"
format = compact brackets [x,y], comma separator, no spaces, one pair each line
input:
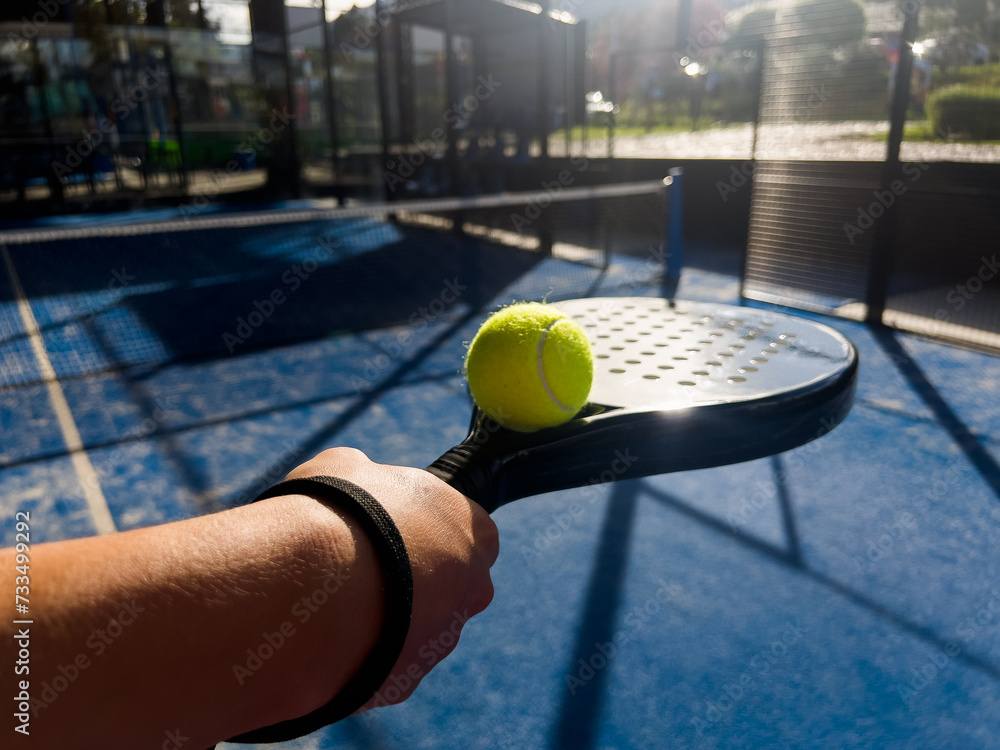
[677,386]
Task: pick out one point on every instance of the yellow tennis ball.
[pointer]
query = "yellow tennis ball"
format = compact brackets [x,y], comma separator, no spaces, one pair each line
[530,367]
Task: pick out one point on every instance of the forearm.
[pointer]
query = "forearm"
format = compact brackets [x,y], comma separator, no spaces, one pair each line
[207,628]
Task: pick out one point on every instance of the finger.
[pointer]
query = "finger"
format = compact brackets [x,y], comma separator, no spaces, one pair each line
[483,596]
[486,535]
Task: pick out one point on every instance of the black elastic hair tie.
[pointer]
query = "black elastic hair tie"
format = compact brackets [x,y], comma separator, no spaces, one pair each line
[398,587]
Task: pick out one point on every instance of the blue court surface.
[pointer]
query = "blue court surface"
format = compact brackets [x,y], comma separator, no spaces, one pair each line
[845,594]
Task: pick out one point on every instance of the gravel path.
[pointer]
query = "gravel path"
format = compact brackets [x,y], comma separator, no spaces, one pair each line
[824,141]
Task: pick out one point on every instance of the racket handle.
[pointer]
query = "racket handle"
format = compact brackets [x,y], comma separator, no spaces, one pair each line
[463,468]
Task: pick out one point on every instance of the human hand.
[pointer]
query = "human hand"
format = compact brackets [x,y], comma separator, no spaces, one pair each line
[451,542]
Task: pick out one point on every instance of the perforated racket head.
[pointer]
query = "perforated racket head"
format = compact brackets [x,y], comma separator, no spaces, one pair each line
[649,353]
[677,386]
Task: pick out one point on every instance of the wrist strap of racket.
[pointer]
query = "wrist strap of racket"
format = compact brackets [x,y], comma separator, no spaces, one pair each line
[398,590]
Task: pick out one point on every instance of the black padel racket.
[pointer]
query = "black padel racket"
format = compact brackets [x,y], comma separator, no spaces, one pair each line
[677,386]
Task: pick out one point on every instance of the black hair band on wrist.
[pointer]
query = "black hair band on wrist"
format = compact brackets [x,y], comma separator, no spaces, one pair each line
[398,588]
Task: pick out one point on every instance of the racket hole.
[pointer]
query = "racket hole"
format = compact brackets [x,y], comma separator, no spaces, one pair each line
[661,344]
[618,329]
[629,307]
[633,361]
[681,359]
[616,370]
[724,354]
[737,379]
[651,377]
[767,325]
[674,338]
[737,346]
[603,336]
[631,341]
[645,333]
[693,350]
[657,325]
[786,336]
[748,369]
[648,354]
[687,330]
[699,372]
[779,343]
[758,360]
[686,382]
[713,364]
[630,322]
[769,351]
[703,341]
[617,348]
[664,367]
[602,356]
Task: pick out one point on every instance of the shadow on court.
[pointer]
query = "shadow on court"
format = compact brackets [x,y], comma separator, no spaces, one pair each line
[203,293]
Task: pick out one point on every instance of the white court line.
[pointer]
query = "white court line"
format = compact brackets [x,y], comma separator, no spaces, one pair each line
[96,501]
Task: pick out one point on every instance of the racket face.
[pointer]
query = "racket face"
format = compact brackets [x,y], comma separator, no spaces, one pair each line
[677,386]
[649,354]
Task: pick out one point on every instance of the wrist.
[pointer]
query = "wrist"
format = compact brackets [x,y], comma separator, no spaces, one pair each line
[337,600]
[365,522]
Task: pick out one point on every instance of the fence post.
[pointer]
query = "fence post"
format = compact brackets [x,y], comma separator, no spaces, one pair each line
[884,246]
[675,224]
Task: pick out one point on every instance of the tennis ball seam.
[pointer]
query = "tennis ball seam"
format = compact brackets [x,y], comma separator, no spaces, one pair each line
[539,352]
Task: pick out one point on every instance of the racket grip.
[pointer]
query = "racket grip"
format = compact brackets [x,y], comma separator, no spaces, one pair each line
[460,468]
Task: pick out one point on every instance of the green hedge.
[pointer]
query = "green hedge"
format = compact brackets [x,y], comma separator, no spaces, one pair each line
[970,111]
[971,75]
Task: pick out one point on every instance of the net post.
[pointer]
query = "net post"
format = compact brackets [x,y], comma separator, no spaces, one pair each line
[674,238]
